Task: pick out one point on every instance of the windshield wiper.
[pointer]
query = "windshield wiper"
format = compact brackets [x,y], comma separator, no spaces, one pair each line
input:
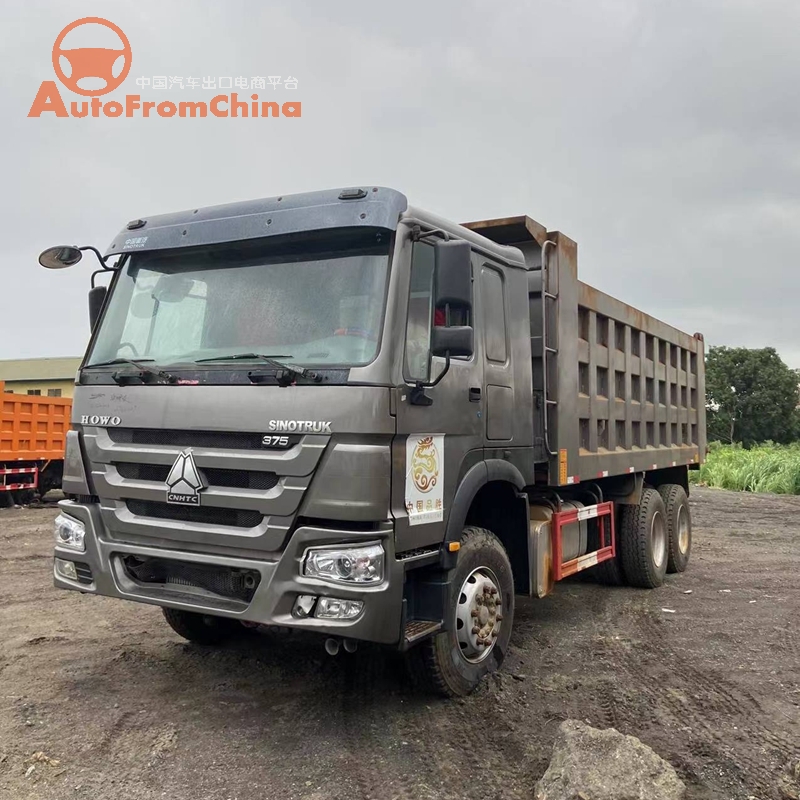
[287,370]
[122,378]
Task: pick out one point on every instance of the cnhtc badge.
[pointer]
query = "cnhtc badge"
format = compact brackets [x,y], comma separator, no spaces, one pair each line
[184,483]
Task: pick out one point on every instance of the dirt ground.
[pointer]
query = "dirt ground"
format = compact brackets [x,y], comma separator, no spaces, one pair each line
[128,710]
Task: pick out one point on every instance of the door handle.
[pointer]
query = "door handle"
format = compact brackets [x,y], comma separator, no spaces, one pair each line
[474,394]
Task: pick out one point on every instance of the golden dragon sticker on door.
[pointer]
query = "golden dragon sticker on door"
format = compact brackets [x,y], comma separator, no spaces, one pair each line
[425,478]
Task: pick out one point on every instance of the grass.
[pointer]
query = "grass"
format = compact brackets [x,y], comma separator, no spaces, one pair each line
[764,468]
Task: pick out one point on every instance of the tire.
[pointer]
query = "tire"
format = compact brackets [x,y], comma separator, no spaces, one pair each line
[609,573]
[449,663]
[679,526]
[200,628]
[644,541]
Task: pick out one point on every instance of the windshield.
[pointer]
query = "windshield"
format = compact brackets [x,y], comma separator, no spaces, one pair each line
[315,298]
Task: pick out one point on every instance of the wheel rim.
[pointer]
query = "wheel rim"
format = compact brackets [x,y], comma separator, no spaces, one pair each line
[478,618]
[658,539]
[683,530]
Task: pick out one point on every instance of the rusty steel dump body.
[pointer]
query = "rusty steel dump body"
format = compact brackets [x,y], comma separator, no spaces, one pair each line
[623,391]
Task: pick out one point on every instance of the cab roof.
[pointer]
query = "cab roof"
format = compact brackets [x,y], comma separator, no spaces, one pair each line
[365,206]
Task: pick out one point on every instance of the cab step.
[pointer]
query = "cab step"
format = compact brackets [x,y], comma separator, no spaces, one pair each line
[417,629]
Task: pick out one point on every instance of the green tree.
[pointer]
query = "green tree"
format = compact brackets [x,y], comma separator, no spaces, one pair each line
[752,396]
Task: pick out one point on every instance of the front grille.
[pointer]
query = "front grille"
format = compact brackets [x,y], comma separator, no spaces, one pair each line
[229,478]
[84,572]
[418,552]
[210,515]
[231,440]
[239,584]
[84,499]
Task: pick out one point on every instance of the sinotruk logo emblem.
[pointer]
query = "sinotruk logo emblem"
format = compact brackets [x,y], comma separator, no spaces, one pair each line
[184,483]
[92,62]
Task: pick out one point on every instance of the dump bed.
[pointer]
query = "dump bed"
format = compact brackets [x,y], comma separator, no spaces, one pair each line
[32,428]
[615,390]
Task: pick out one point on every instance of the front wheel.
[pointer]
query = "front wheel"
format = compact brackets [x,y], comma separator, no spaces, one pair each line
[481,606]
[200,628]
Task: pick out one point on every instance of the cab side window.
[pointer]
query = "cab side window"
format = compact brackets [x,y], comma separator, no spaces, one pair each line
[420,314]
[494,314]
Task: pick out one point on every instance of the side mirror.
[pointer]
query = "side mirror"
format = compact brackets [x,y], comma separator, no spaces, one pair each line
[60,257]
[452,290]
[456,340]
[97,296]
[453,274]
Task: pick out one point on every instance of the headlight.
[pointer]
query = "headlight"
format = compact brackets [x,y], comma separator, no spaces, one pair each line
[69,533]
[346,564]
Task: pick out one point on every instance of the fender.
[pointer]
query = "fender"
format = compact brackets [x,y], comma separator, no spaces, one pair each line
[493,469]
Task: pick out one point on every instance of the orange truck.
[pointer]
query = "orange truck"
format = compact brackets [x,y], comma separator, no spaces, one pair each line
[33,433]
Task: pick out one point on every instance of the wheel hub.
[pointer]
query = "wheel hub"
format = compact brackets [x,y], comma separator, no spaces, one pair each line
[478,614]
[658,537]
[683,530]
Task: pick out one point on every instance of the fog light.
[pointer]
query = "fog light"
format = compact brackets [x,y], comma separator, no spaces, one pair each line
[69,532]
[334,608]
[303,605]
[66,569]
[346,564]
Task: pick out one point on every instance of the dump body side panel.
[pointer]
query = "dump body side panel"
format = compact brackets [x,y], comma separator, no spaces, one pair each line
[630,393]
[641,390]
[615,390]
[32,428]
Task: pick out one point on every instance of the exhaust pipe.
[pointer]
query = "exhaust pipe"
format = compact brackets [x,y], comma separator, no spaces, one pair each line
[350,645]
[332,647]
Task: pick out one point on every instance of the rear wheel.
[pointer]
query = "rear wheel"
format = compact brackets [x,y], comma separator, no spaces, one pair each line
[609,572]
[200,628]
[679,526]
[644,541]
[454,662]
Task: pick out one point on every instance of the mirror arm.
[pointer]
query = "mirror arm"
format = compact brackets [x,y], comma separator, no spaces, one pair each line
[417,395]
[100,257]
[417,234]
[444,371]
[104,267]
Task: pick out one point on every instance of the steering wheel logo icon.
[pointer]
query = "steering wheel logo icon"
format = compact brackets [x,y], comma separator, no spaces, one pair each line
[92,62]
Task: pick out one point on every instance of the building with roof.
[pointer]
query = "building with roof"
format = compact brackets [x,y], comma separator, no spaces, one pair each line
[49,377]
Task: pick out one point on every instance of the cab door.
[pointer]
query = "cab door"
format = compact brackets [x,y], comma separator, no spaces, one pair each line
[440,433]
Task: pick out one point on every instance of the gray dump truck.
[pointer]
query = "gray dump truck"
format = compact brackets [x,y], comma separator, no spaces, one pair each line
[340,413]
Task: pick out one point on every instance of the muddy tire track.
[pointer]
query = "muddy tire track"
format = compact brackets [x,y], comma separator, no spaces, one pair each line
[701,703]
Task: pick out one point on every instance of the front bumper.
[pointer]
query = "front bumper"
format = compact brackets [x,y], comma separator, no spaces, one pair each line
[271,603]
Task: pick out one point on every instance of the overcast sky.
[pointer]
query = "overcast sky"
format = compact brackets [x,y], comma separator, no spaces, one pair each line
[662,135]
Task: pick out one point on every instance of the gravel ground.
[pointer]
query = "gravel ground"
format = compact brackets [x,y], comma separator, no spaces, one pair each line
[101,700]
